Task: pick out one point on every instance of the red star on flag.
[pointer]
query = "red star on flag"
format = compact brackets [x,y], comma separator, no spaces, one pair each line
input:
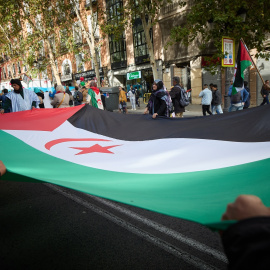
[94,149]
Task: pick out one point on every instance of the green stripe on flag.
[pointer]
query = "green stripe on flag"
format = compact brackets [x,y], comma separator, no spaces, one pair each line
[198,196]
[244,64]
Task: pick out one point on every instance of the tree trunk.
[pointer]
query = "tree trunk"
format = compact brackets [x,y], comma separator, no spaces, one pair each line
[146,28]
[52,62]
[90,40]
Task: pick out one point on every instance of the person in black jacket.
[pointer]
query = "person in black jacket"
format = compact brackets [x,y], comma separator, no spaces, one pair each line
[156,105]
[247,242]
[216,100]
[265,92]
[175,94]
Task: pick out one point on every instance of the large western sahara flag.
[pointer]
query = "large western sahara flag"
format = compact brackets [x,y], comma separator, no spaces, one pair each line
[243,61]
[189,168]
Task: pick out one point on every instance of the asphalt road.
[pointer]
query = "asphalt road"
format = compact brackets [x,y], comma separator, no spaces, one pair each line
[43,226]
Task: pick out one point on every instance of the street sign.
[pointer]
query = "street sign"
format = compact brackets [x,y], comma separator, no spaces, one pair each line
[134,75]
[228,48]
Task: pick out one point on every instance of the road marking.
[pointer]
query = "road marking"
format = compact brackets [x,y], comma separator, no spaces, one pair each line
[198,263]
[174,234]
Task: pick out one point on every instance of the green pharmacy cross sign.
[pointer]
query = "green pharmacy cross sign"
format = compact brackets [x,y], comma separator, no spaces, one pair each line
[134,75]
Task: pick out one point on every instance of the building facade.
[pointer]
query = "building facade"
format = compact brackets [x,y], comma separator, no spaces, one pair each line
[118,57]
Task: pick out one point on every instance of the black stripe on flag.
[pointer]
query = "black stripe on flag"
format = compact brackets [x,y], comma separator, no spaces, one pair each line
[251,125]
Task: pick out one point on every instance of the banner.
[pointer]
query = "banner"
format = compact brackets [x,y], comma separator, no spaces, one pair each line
[228,49]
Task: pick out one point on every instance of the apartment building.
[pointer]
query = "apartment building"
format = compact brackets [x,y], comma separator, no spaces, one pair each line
[120,59]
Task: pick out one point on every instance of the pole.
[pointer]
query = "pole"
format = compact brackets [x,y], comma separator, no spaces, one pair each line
[253,62]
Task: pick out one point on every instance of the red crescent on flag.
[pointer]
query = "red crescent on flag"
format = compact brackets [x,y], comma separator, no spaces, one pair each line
[50,144]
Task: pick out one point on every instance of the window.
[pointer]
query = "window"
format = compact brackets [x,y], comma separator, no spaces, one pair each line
[117,46]
[29,28]
[4,72]
[96,27]
[77,33]
[19,68]
[52,43]
[63,40]
[38,22]
[139,41]
[41,50]
[14,70]
[26,9]
[79,62]
[98,59]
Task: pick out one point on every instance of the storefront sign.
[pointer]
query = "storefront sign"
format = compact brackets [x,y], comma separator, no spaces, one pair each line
[134,75]
[228,48]
[89,74]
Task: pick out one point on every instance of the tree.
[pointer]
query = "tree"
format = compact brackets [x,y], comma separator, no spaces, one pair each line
[42,22]
[147,12]
[91,39]
[207,21]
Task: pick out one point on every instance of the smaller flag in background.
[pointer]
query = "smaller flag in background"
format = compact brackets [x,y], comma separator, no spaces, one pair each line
[26,79]
[243,61]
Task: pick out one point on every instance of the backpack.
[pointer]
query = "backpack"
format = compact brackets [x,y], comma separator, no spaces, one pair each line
[184,100]
[236,98]
[168,100]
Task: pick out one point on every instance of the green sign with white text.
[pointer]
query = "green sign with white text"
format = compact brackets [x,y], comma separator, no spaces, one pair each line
[134,75]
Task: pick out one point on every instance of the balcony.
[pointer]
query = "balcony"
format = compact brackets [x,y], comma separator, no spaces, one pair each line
[142,59]
[118,65]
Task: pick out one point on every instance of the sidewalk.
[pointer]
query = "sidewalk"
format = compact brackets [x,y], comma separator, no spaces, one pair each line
[191,109]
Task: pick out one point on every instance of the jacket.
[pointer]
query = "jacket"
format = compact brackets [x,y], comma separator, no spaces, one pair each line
[217,99]
[244,94]
[156,104]
[58,98]
[247,244]
[206,96]
[175,94]
[122,96]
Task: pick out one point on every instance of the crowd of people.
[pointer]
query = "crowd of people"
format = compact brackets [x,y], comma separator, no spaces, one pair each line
[22,99]
[161,102]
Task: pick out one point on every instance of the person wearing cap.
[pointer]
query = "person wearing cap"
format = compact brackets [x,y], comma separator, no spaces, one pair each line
[21,99]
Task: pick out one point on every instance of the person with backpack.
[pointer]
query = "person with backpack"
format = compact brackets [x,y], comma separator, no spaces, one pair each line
[237,100]
[177,93]
[265,92]
[158,101]
[77,96]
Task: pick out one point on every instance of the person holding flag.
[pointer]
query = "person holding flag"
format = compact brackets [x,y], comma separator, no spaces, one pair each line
[20,99]
[237,91]
[2,168]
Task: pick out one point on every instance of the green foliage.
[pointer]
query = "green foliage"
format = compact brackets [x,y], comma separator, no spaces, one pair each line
[207,21]
[46,19]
